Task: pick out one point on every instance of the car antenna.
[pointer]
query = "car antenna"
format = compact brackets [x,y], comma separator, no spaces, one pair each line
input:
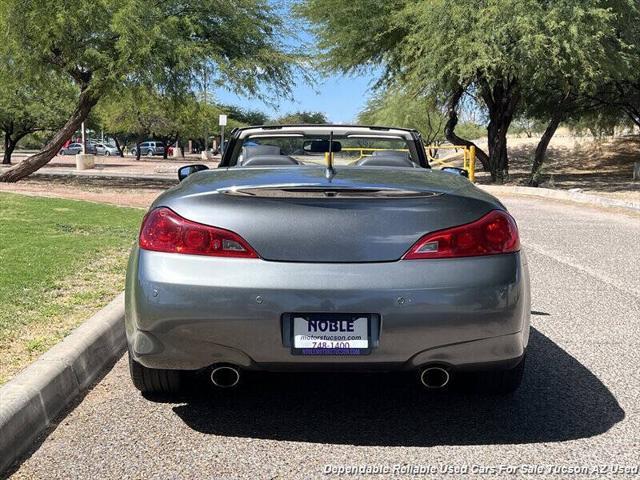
[329,171]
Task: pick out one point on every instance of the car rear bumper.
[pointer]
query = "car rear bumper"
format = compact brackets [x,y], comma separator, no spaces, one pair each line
[189,312]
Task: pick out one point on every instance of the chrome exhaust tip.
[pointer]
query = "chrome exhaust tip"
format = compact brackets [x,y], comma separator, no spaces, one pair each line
[435,377]
[225,376]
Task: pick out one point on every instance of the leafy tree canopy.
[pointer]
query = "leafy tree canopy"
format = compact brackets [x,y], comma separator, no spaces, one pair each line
[31,102]
[496,50]
[401,109]
[138,113]
[101,43]
[300,117]
[245,116]
[173,45]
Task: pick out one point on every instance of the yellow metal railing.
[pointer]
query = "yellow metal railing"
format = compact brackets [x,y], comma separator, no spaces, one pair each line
[370,151]
[468,158]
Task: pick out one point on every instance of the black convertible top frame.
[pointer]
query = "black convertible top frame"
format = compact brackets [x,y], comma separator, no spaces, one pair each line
[235,134]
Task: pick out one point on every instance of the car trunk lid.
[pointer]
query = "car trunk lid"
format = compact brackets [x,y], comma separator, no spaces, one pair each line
[361,218]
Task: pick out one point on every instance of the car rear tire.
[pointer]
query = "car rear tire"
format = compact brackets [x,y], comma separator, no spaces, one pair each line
[502,382]
[154,381]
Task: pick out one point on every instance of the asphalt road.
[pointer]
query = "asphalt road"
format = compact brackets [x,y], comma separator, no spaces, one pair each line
[579,404]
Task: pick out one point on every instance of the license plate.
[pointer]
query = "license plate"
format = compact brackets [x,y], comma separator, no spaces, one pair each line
[342,334]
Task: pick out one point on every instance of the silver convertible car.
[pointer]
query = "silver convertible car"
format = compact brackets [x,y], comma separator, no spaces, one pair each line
[327,248]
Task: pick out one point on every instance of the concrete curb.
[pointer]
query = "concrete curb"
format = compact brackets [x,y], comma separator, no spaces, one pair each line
[34,398]
[568,195]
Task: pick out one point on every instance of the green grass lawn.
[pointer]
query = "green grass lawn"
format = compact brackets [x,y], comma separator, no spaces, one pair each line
[60,261]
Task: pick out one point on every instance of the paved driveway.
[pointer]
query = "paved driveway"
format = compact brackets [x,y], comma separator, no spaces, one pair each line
[579,404]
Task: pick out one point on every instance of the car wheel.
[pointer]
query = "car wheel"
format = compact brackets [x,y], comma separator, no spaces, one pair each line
[149,153]
[501,382]
[107,153]
[152,380]
[134,152]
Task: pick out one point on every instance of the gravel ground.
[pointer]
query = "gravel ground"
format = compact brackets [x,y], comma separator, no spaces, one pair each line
[579,404]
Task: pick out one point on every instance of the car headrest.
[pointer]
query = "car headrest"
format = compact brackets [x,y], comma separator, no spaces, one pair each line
[390,153]
[255,150]
[386,161]
[267,160]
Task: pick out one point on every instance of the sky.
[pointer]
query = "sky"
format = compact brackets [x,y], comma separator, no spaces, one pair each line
[339,97]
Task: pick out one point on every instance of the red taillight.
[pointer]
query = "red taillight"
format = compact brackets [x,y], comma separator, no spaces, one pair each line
[494,233]
[163,230]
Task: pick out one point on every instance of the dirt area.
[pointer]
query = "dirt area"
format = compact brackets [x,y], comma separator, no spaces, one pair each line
[118,191]
[120,185]
[599,167]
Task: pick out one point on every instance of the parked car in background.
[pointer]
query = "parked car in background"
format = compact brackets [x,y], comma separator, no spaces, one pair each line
[149,149]
[76,148]
[106,149]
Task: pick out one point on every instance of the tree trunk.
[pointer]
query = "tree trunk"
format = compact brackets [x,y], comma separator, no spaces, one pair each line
[6,158]
[450,127]
[137,150]
[498,158]
[628,92]
[12,137]
[86,102]
[118,146]
[501,100]
[9,146]
[634,114]
[168,142]
[165,142]
[541,149]
[165,152]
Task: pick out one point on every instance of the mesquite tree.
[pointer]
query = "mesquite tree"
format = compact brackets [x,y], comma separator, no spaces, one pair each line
[591,47]
[30,103]
[398,108]
[138,113]
[99,44]
[493,50]
[623,91]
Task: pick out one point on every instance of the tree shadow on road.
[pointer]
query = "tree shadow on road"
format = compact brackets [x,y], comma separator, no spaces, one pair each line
[559,400]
